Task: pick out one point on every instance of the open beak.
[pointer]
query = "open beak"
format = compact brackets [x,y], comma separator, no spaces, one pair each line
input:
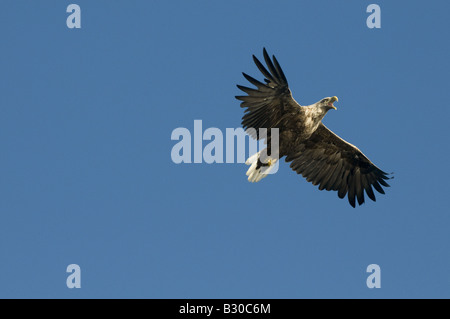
[332,100]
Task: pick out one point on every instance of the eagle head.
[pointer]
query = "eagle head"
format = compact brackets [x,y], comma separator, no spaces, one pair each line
[327,103]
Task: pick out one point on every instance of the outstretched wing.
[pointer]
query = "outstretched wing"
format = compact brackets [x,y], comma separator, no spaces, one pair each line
[269,102]
[334,164]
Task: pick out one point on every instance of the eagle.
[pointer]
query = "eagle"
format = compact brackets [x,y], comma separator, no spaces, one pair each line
[313,150]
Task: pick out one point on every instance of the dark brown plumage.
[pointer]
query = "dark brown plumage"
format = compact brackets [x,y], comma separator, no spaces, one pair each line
[314,151]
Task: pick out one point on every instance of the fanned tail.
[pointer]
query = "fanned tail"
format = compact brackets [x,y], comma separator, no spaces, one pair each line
[258,170]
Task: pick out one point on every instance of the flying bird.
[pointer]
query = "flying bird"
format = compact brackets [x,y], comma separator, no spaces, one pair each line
[314,151]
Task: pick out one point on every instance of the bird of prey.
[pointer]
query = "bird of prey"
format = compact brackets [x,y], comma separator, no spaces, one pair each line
[313,150]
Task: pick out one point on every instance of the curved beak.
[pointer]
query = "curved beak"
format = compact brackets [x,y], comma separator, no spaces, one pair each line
[332,100]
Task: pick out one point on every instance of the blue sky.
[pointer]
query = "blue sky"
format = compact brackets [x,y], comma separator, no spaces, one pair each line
[86,117]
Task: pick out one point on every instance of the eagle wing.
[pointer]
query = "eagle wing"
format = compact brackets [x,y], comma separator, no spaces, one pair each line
[334,164]
[269,102]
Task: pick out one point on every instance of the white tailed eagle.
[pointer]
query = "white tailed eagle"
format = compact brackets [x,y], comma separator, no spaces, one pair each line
[314,151]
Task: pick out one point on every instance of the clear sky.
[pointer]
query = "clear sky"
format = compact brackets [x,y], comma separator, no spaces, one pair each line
[86,117]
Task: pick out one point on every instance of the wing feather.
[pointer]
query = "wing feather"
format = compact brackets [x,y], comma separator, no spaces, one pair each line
[266,104]
[358,186]
[279,69]
[277,79]
[264,71]
[327,160]
[367,187]
[325,176]
[336,177]
[351,191]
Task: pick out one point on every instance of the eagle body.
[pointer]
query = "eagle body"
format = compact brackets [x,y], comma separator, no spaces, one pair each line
[313,150]
[293,133]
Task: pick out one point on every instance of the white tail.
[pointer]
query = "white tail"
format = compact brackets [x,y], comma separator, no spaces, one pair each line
[256,174]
